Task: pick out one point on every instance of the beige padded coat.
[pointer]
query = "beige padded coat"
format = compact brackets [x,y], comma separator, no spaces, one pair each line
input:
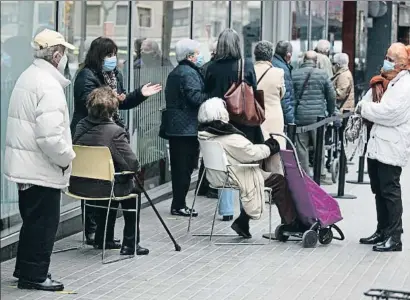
[273,86]
[344,86]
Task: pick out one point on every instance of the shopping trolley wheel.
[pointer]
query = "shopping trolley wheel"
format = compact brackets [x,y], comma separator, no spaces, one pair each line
[279,233]
[334,170]
[325,236]
[309,239]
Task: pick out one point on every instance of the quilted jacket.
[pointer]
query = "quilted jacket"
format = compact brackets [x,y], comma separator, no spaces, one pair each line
[319,97]
[288,99]
[184,94]
[38,138]
[86,81]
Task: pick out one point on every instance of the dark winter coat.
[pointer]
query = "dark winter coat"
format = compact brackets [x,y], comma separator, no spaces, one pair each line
[86,81]
[219,77]
[319,97]
[95,132]
[184,94]
[288,98]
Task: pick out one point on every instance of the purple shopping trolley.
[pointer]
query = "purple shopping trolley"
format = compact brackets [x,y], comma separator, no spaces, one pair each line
[317,210]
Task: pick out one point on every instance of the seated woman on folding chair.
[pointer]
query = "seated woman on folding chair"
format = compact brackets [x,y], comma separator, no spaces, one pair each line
[99,129]
[214,126]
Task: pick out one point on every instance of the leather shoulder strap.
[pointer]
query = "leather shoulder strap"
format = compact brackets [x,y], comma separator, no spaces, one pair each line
[267,70]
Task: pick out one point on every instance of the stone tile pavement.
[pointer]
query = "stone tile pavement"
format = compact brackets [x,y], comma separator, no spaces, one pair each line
[279,271]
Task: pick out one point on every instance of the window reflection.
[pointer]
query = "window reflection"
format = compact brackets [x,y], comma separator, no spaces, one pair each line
[246,20]
[20,21]
[300,22]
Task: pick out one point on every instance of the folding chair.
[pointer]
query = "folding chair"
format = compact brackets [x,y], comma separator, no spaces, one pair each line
[215,158]
[96,163]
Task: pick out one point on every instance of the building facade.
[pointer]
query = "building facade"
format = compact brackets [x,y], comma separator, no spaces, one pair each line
[345,24]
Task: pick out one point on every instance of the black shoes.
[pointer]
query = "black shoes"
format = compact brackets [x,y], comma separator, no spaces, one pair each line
[90,239]
[227,218]
[48,285]
[392,244]
[183,212]
[108,245]
[241,227]
[125,250]
[375,238]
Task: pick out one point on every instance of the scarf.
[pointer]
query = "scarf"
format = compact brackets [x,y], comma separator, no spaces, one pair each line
[111,80]
[379,84]
[219,128]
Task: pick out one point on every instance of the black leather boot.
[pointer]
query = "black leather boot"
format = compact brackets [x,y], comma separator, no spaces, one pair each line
[241,225]
[375,238]
[391,244]
[125,250]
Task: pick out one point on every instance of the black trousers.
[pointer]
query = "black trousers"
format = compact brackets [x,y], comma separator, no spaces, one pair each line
[129,238]
[385,184]
[40,211]
[184,155]
[204,187]
[90,216]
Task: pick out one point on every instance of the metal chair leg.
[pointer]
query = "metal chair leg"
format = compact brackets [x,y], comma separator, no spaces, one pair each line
[193,203]
[217,206]
[270,217]
[83,243]
[105,230]
[84,213]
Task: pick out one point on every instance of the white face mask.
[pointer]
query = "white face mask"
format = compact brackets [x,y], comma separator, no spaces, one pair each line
[62,64]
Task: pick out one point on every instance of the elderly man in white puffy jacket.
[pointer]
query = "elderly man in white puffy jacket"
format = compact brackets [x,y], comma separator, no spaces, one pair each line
[38,156]
[387,106]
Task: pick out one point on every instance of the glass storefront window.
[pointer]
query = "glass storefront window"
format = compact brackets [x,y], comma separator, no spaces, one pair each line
[158,27]
[300,23]
[246,20]
[20,21]
[208,21]
[335,25]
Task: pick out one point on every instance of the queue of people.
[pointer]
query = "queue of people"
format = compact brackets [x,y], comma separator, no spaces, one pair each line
[39,158]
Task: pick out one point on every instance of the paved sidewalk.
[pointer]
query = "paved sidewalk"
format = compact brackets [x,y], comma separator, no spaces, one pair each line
[280,271]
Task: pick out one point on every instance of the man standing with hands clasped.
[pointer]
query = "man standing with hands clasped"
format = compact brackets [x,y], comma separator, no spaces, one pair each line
[38,156]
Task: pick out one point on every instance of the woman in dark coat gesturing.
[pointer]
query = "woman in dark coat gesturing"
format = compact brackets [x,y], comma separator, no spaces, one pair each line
[100,69]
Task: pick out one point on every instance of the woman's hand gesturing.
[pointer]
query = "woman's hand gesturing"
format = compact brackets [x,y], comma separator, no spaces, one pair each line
[150,89]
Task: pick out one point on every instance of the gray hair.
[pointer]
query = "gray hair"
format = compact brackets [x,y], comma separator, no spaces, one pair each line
[185,48]
[342,59]
[229,45]
[283,48]
[213,110]
[47,53]
[263,51]
[310,56]
[323,46]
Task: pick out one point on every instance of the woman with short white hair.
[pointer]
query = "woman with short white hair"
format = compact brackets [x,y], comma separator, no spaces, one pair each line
[183,95]
[343,82]
[214,126]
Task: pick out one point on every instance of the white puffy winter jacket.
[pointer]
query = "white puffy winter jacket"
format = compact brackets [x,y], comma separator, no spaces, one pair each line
[38,139]
[390,135]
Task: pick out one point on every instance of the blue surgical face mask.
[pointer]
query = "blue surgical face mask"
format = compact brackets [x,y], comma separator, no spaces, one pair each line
[388,65]
[199,60]
[110,63]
